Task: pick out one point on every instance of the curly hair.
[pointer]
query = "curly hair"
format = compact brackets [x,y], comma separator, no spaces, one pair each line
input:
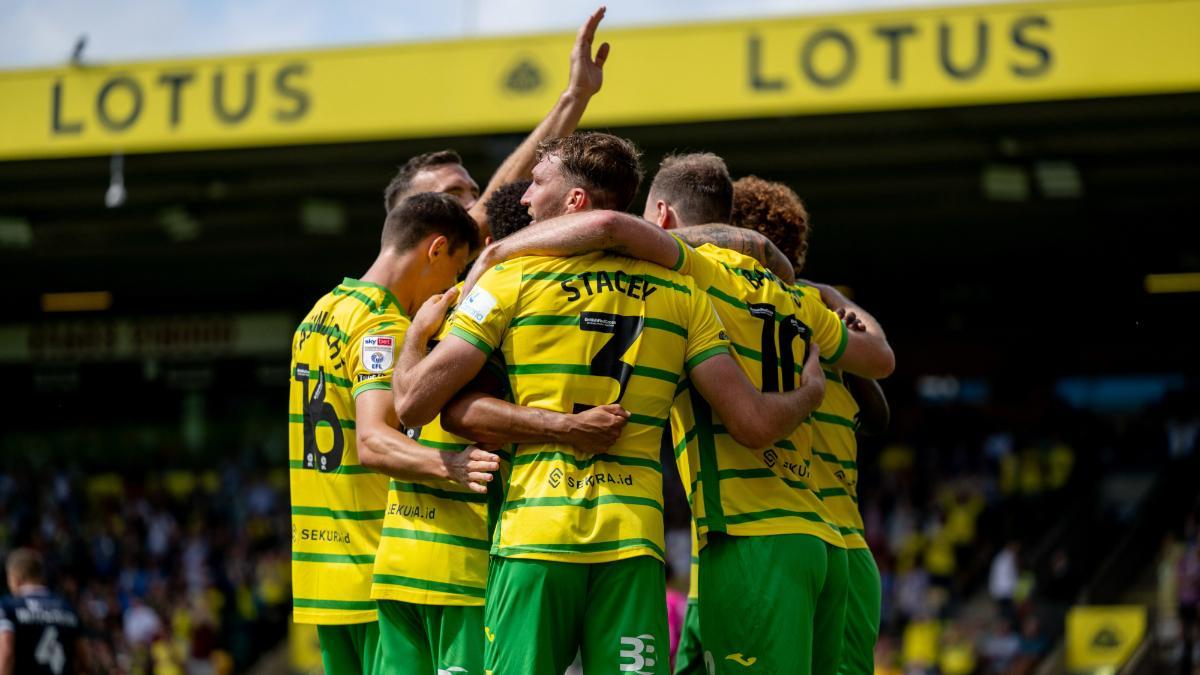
[504,211]
[775,211]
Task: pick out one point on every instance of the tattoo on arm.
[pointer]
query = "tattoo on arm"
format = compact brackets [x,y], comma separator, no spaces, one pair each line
[744,241]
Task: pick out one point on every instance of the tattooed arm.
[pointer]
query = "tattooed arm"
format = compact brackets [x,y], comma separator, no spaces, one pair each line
[744,241]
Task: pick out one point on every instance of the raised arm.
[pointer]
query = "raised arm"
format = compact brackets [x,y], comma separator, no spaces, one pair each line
[587,76]
[745,241]
[867,352]
[756,419]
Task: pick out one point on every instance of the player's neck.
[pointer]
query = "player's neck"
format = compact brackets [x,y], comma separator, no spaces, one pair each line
[397,272]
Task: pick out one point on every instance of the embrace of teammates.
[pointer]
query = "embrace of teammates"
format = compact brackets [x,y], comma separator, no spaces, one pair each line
[476,477]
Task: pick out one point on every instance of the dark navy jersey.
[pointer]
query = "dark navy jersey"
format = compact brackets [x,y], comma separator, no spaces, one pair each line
[46,628]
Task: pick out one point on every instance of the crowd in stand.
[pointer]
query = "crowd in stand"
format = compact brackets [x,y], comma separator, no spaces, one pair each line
[172,572]
[187,572]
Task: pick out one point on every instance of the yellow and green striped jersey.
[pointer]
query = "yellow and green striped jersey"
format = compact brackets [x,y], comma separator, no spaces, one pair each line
[576,333]
[835,448]
[694,575]
[736,490]
[345,346]
[434,548]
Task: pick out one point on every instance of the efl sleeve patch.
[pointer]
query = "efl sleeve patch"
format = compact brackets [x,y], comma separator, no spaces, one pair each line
[478,304]
[378,353]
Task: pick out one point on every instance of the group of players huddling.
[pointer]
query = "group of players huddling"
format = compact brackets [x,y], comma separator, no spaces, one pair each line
[475,470]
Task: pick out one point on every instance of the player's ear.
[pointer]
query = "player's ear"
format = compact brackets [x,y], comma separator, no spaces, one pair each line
[665,218]
[438,244]
[577,200]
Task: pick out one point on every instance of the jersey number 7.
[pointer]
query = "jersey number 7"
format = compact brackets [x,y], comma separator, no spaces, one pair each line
[607,362]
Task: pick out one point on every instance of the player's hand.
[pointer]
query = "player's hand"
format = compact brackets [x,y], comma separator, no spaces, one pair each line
[587,74]
[471,467]
[813,376]
[851,320]
[597,429]
[431,315]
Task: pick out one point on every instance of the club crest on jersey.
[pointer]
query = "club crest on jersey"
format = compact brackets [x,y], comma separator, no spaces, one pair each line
[378,352]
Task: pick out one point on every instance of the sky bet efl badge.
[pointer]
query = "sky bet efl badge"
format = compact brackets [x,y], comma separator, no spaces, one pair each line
[377,352]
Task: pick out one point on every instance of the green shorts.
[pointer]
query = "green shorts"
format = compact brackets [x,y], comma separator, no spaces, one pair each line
[689,658]
[862,614]
[540,613]
[430,638]
[772,604]
[350,649]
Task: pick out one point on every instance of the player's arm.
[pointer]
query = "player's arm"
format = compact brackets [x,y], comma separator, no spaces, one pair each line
[874,415]
[580,233]
[8,644]
[485,418]
[867,352]
[756,419]
[422,384]
[587,76]
[384,448]
[745,241]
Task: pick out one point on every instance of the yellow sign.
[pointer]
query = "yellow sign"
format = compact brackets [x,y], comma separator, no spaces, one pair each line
[1099,637]
[771,67]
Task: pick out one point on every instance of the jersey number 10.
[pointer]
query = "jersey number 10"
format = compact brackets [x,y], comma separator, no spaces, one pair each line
[784,360]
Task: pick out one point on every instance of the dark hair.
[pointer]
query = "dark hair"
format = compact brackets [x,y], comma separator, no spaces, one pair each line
[606,166]
[775,211]
[697,186]
[26,564]
[402,182]
[504,211]
[425,213]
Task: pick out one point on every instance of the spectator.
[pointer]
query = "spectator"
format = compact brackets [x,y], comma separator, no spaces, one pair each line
[1004,577]
[1001,647]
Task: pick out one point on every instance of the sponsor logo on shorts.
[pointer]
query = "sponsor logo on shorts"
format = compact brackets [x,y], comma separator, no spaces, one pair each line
[640,654]
[742,660]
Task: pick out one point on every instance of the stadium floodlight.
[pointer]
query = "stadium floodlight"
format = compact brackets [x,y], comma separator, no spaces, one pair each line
[116,182]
